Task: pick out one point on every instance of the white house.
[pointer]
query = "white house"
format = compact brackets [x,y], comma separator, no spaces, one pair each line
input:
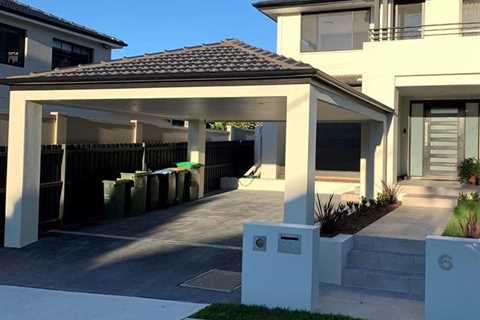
[418,57]
[32,40]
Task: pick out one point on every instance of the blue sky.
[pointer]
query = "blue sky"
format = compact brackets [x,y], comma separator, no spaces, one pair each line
[155,25]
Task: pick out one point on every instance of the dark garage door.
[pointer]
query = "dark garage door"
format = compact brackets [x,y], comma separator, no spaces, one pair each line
[338,146]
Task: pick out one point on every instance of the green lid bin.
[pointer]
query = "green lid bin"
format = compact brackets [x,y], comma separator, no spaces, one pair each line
[180,174]
[138,193]
[115,194]
[189,165]
[191,185]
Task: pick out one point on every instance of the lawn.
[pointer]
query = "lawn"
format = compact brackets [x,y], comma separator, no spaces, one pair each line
[465,221]
[241,312]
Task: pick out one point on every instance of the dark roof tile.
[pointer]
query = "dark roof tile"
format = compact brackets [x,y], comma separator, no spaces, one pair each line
[229,56]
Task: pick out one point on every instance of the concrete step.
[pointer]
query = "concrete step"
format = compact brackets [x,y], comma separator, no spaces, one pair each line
[451,190]
[408,284]
[429,201]
[397,246]
[386,261]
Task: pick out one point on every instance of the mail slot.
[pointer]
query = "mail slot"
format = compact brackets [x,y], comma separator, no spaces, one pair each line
[290,243]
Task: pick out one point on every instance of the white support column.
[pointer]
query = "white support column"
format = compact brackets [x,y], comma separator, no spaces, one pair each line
[197,138]
[300,157]
[23,173]
[273,140]
[61,128]
[391,146]
[379,137]
[137,134]
[367,160]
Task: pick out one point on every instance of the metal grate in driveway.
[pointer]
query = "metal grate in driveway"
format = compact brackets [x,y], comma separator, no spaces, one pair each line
[216,280]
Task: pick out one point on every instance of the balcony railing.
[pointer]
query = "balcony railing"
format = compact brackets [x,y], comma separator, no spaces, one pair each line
[424,31]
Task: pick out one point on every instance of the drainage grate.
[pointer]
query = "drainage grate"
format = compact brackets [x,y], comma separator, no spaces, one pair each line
[216,280]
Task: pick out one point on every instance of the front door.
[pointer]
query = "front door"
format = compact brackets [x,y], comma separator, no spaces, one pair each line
[444,139]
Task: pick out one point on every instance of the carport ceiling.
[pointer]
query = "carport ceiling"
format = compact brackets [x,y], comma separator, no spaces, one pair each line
[231,109]
[252,109]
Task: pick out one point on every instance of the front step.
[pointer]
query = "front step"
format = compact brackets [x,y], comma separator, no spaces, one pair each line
[406,284]
[387,261]
[452,189]
[429,201]
[386,264]
[402,246]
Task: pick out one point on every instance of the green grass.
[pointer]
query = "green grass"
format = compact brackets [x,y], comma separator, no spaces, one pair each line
[461,212]
[240,312]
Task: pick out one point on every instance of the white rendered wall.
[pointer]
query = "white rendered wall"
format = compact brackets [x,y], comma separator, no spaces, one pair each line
[452,281]
[276,279]
[333,255]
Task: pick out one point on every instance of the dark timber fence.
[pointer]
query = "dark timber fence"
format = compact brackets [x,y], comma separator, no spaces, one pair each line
[82,168]
[50,185]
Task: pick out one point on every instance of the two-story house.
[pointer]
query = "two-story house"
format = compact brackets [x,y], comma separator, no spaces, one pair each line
[32,40]
[420,57]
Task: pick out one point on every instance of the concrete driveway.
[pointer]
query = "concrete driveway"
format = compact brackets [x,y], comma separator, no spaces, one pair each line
[146,256]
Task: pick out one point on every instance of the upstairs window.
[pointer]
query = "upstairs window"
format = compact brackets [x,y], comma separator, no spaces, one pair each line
[66,54]
[471,11]
[339,30]
[12,45]
[408,19]
[471,17]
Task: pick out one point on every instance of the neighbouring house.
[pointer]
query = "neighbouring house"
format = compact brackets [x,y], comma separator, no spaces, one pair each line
[32,40]
[417,57]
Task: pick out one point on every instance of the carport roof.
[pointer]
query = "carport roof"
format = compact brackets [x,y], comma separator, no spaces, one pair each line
[226,58]
[229,60]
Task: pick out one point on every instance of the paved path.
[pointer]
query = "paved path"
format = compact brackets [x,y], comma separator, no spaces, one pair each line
[414,223]
[368,304]
[25,303]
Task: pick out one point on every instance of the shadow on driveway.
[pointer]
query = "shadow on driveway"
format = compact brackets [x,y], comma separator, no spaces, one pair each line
[145,256]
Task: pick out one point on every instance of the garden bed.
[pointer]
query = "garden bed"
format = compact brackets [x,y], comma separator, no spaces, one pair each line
[241,312]
[355,223]
[350,218]
[465,221]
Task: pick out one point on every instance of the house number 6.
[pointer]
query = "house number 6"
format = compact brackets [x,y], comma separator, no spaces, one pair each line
[445,262]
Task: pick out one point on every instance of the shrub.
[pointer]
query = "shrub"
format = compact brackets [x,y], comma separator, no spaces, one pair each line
[465,222]
[468,168]
[329,215]
[470,226]
[389,194]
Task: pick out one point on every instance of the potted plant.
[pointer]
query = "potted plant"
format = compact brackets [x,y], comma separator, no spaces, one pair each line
[469,170]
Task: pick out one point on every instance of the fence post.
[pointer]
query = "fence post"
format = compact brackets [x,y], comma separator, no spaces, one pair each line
[144,156]
[63,170]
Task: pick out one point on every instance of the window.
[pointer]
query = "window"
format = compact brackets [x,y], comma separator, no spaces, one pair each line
[12,45]
[408,18]
[471,16]
[340,30]
[471,11]
[66,54]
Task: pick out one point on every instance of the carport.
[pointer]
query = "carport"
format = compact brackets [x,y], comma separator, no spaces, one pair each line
[226,81]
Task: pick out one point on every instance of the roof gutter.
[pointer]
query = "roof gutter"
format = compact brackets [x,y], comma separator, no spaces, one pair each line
[276,5]
[186,77]
[102,40]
